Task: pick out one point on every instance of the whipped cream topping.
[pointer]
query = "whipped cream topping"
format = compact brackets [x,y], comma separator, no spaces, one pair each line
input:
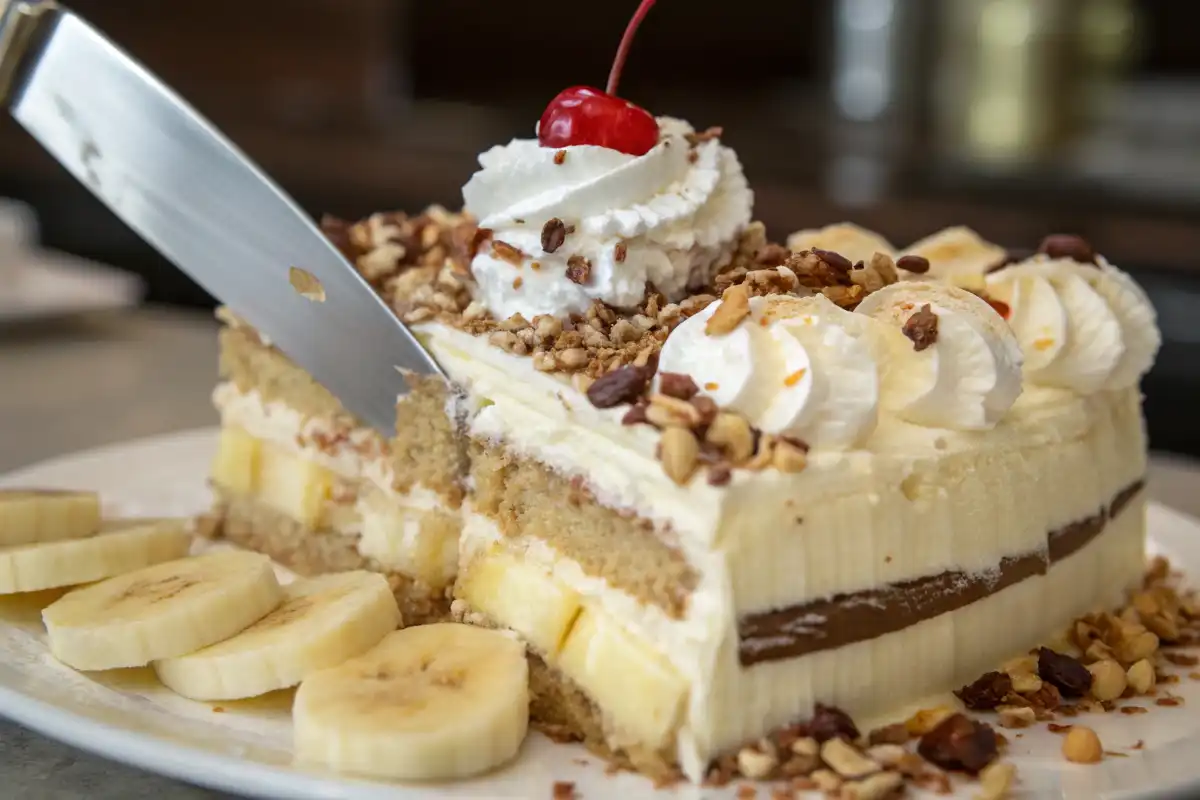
[967,379]
[797,366]
[662,218]
[1082,327]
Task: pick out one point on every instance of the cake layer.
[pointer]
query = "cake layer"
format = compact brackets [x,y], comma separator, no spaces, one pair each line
[661,685]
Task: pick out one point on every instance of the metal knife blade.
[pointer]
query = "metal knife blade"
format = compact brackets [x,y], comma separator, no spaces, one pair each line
[173,178]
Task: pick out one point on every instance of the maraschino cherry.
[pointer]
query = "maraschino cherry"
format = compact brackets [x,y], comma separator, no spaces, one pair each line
[583,115]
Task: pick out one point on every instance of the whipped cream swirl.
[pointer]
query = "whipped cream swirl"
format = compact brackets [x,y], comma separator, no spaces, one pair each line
[1082,327]
[967,379]
[662,218]
[796,366]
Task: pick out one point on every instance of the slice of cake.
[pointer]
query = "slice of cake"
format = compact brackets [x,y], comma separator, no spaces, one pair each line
[298,478]
[714,484]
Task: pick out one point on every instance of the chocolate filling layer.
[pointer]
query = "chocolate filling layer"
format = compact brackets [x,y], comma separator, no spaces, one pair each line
[854,617]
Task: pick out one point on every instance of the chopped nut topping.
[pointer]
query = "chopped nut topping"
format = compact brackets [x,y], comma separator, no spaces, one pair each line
[877,787]
[680,453]
[735,307]
[926,719]
[756,765]
[922,328]
[674,384]
[995,780]
[560,157]
[846,760]
[518,282]
[554,233]
[579,269]
[665,411]
[619,251]
[1067,674]
[830,721]
[1016,716]
[564,790]
[624,385]
[1082,746]
[1065,245]
[958,742]
[788,457]
[733,434]
[986,693]
[1108,680]
[506,252]
[918,265]
[895,733]
[1141,676]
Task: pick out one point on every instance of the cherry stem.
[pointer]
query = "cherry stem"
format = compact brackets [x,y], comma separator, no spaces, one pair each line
[626,42]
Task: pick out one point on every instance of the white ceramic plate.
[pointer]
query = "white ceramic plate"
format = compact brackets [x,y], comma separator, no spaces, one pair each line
[48,285]
[245,747]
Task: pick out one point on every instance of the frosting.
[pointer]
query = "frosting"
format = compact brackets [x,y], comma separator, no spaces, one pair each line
[797,366]
[1082,327]
[967,379]
[662,218]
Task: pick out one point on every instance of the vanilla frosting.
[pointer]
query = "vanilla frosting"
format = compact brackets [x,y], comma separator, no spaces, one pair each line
[661,218]
[1082,327]
[797,366]
[968,379]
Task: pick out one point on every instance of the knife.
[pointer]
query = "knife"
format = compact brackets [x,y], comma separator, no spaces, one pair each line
[177,181]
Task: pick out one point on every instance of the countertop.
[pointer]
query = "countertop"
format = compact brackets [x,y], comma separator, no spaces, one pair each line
[99,379]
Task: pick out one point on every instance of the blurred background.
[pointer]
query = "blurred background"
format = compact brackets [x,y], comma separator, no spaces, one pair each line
[1016,117]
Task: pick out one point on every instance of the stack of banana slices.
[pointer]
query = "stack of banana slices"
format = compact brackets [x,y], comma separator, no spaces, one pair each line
[432,702]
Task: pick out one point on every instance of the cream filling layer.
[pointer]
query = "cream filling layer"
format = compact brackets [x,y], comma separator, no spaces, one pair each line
[913,501]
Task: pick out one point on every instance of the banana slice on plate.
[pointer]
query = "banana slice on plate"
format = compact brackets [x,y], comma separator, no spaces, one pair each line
[432,702]
[47,515]
[120,546]
[323,622]
[162,611]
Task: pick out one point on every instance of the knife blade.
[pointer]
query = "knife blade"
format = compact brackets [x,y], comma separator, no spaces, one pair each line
[178,182]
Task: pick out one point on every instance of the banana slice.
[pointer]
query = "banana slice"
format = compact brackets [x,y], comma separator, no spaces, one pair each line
[323,622]
[47,515]
[162,611]
[121,546]
[432,702]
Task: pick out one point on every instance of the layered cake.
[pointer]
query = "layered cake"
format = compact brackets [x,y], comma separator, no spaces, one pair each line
[712,482]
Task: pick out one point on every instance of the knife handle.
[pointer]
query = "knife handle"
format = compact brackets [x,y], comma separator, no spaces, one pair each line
[21,22]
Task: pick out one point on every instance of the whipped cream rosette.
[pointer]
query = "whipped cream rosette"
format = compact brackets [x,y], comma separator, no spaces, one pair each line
[797,366]
[966,374]
[1082,326]
[586,223]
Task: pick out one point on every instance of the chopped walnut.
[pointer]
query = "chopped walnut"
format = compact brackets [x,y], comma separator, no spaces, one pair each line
[922,328]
